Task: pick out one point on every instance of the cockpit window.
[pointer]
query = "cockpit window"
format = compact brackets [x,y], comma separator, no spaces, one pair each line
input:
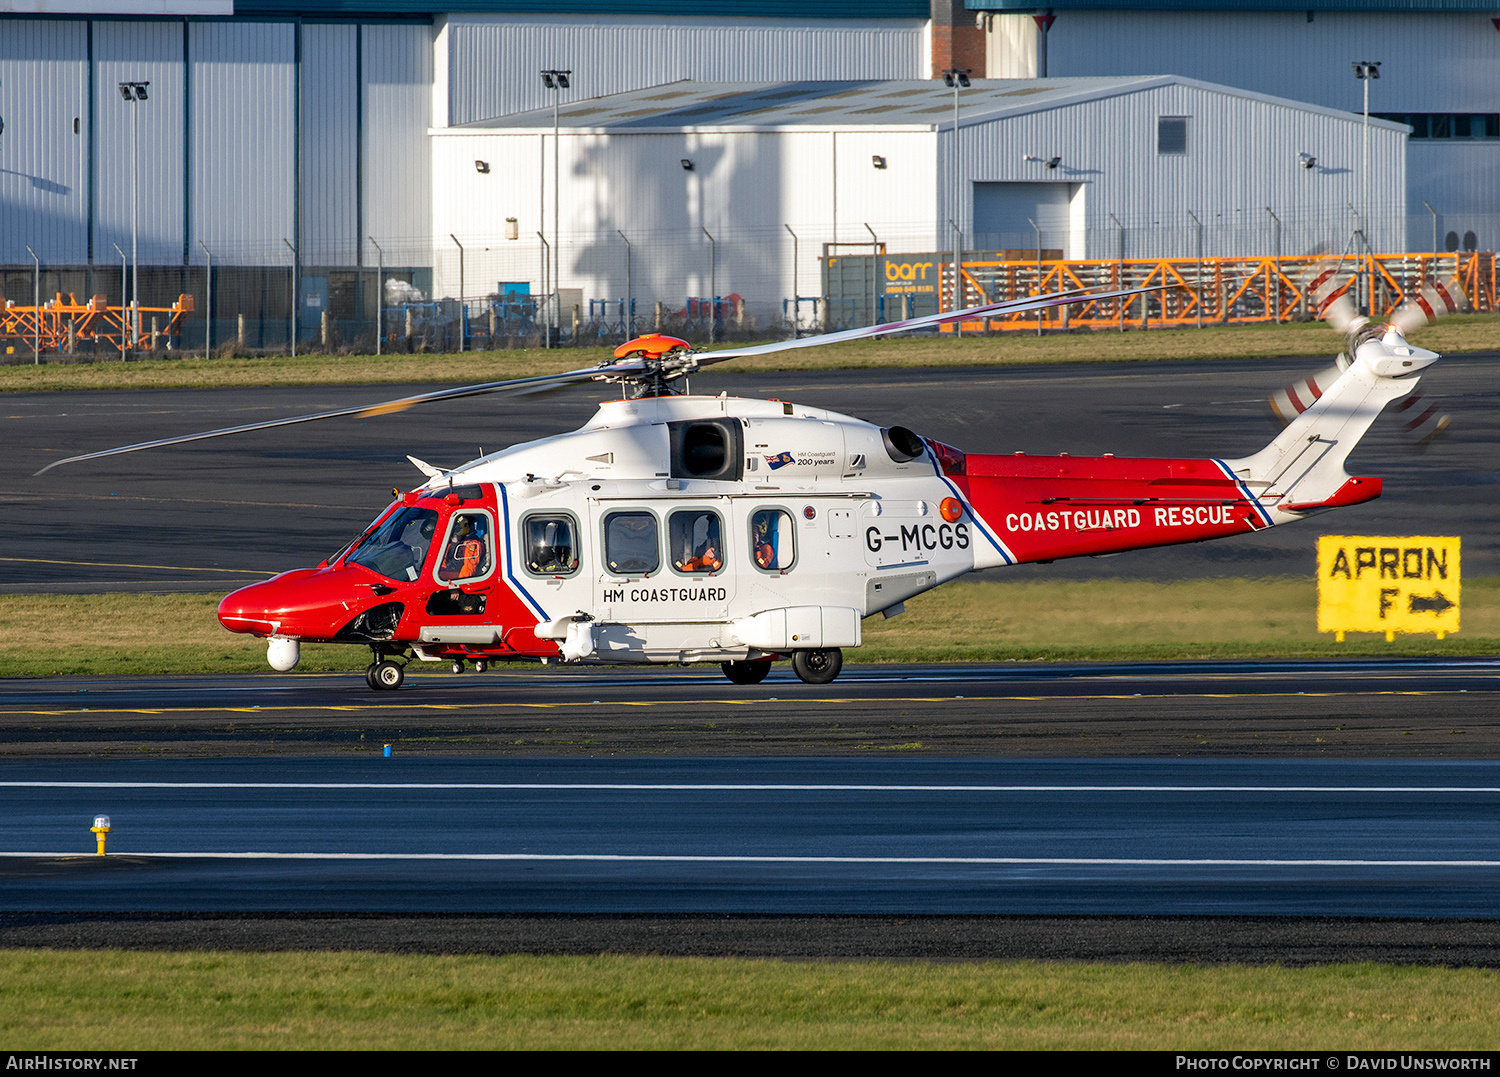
[551,548]
[466,555]
[398,549]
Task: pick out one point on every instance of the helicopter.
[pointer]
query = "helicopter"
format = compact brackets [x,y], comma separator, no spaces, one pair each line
[681,528]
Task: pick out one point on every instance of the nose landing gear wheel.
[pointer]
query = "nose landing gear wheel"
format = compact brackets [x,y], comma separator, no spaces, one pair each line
[384,676]
[817,667]
[746,672]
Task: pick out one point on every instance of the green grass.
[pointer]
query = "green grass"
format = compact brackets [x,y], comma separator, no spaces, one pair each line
[47,635]
[1135,619]
[124,1001]
[1461,333]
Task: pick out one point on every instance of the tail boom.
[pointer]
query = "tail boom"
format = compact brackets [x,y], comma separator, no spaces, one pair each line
[1044,508]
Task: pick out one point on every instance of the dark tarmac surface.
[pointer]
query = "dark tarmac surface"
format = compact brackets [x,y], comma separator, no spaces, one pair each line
[1202,711]
[1388,709]
[1291,940]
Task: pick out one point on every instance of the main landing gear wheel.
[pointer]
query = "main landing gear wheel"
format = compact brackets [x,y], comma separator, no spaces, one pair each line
[384,676]
[746,672]
[817,667]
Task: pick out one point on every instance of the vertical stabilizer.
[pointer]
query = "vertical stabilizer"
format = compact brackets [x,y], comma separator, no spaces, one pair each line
[1304,465]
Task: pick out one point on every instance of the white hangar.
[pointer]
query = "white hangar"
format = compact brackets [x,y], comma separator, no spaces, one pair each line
[697,189]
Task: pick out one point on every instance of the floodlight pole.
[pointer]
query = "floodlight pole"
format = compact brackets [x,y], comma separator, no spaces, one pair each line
[135,219]
[556,81]
[134,93]
[874,275]
[1366,71]
[379,293]
[556,217]
[1434,226]
[956,78]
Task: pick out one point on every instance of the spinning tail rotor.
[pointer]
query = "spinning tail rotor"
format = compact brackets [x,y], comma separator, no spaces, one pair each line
[1328,299]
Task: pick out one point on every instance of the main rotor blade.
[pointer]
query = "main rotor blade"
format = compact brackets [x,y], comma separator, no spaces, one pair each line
[621,367]
[1010,306]
[543,381]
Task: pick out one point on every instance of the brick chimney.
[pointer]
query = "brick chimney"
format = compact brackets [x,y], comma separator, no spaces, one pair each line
[956,41]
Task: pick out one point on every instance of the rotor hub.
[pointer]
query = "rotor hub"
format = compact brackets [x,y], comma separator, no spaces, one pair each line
[651,346]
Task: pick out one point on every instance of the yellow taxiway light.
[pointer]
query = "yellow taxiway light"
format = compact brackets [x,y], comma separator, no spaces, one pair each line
[100,828]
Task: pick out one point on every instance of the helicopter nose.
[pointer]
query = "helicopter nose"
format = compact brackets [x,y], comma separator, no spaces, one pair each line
[291,604]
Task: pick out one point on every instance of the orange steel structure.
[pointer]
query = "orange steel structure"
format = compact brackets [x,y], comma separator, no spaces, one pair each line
[1210,291]
[63,323]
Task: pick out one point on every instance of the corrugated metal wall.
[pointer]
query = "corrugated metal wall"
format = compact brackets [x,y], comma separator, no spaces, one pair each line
[1242,156]
[398,71]
[219,155]
[493,61]
[1433,62]
[330,145]
[1457,180]
[244,95]
[139,52]
[43,163]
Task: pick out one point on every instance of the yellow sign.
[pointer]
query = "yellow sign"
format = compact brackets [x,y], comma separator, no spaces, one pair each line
[1381,583]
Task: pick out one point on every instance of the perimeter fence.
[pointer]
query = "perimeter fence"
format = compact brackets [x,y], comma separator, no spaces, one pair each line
[487,292]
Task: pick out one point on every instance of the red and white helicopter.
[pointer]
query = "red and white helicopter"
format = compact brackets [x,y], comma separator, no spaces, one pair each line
[679,528]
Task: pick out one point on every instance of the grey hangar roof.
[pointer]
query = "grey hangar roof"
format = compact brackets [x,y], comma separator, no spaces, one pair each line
[892,103]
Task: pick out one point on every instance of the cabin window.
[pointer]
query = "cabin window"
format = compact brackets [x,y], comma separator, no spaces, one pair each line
[551,545]
[697,541]
[467,554]
[630,544]
[771,542]
[398,548]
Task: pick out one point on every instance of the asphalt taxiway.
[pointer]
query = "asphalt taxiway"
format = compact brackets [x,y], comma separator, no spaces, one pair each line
[1210,811]
[1409,708]
[759,836]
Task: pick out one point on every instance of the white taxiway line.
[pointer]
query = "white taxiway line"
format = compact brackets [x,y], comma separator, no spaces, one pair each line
[779,787]
[689,859]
